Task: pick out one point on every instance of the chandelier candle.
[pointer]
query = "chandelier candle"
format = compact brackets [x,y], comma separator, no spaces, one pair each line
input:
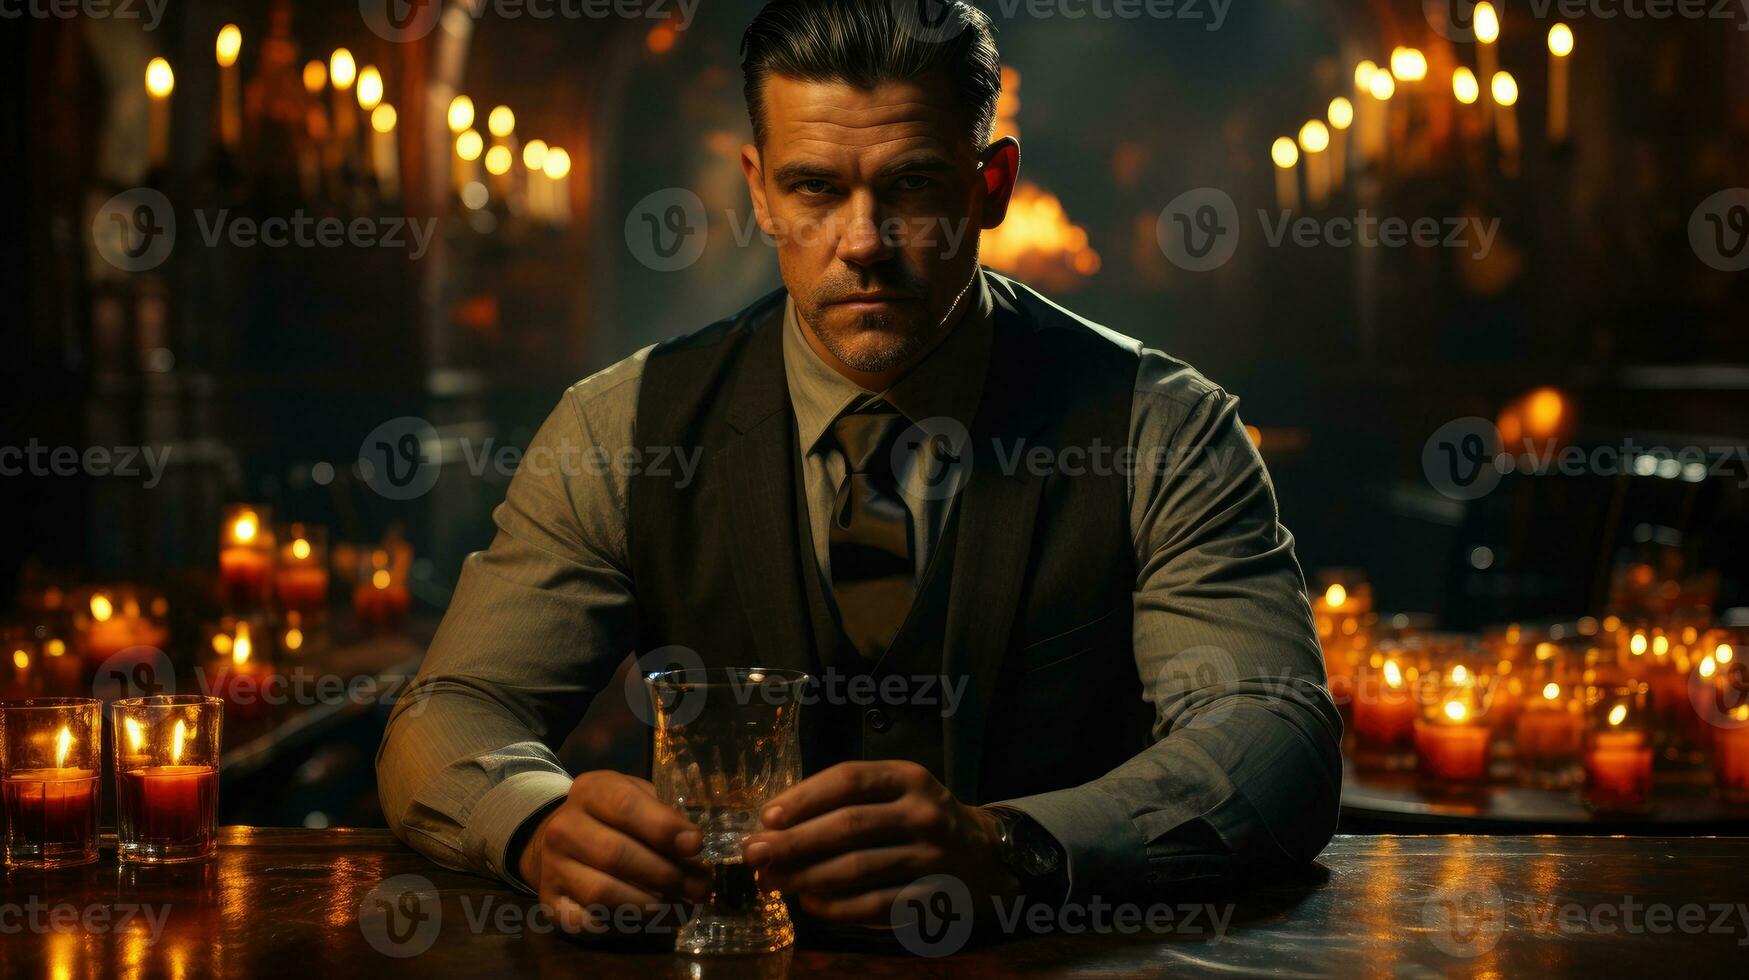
[48,755]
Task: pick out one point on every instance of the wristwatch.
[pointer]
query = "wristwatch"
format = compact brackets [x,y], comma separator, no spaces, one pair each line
[1032,855]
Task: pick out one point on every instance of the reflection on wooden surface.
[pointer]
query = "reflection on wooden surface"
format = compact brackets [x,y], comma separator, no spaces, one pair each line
[350,902]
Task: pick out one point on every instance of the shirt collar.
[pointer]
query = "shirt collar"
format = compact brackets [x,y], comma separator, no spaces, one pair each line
[947,383]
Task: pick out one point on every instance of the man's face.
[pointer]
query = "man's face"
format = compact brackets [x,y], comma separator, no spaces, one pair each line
[875,197]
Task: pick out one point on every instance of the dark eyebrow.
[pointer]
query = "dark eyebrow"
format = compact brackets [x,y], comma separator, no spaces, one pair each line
[791,173]
[922,163]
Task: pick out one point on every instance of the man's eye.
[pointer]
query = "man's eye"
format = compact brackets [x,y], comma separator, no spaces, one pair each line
[913,182]
[813,187]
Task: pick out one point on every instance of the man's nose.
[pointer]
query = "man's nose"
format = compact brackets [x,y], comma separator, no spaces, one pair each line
[860,241]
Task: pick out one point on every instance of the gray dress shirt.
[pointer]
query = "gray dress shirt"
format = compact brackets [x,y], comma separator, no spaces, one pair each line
[542,618]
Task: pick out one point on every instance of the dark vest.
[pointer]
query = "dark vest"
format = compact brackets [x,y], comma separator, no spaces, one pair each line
[1026,605]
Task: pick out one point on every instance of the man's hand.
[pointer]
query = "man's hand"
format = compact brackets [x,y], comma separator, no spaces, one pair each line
[848,841]
[609,845]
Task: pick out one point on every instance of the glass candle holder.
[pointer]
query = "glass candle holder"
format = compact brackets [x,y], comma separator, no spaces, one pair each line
[245,556]
[300,580]
[381,599]
[1618,749]
[49,751]
[1384,710]
[1452,734]
[166,776]
[727,742]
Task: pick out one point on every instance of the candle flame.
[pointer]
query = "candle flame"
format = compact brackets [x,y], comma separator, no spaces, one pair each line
[557,163]
[380,578]
[1708,666]
[160,80]
[136,733]
[1341,114]
[102,608]
[370,87]
[342,68]
[1637,644]
[1457,710]
[300,549]
[294,638]
[1560,40]
[1315,138]
[1363,74]
[1393,674]
[1486,23]
[229,44]
[241,648]
[20,658]
[1660,645]
[1284,152]
[315,76]
[461,113]
[63,745]
[1465,86]
[382,118]
[56,647]
[177,736]
[1408,64]
[468,145]
[1460,674]
[534,154]
[1551,691]
[501,121]
[1335,595]
[1617,715]
[1505,88]
[247,525]
[1723,653]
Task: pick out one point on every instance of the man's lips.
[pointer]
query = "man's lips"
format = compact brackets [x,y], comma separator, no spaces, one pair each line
[869,299]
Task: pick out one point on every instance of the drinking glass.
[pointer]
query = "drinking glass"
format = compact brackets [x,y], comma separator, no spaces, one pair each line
[726,743]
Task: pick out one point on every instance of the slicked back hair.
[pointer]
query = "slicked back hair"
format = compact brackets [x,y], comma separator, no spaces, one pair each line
[864,43]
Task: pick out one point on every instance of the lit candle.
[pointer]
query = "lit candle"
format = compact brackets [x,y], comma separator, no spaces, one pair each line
[1385,708]
[534,158]
[167,778]
[1505,91]
[385,156]
[1560,46]
[160,82]
[461,122]
[1341,116]
[50,810]
[107,628]
[301,580]
[1731,755]
[1314,140]
[1548,732]
[557,168]
[1486,22]
[1286,155]
[226,49]
[1618,760]
[1451,744]
[1380,87]
[245,556]
[342,72]
[381,599]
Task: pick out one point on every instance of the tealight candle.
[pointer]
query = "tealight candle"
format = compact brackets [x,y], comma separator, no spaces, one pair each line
[301,581]
[1618,754]
[49,781]
[381,599]
[1385,708]
[113,619]
[166,777]
[1731,755]
[245,556]
[1451,739]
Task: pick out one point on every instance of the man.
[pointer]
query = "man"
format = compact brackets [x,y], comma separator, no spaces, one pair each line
[1053,553]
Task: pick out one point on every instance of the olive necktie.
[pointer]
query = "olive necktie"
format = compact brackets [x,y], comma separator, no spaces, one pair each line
[870,554]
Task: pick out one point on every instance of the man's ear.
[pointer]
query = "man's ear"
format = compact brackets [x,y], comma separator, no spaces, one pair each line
[1000,170]
[751,168]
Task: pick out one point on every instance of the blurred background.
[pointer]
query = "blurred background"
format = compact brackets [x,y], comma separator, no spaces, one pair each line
[295,280]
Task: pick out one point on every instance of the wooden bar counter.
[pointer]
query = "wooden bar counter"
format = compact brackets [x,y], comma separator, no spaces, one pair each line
[338,903]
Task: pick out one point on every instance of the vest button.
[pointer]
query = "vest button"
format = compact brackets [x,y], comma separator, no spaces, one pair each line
[877,719]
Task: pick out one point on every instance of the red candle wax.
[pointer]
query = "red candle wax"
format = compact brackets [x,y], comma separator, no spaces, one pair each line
[51,812]
[1731,761]
[244,573]
[301,588]
[385,607]
[1452,752]
[168,805]
[1618,769]
[1545,735]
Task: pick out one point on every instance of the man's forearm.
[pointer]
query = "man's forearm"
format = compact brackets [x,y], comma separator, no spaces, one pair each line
[1256,783]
